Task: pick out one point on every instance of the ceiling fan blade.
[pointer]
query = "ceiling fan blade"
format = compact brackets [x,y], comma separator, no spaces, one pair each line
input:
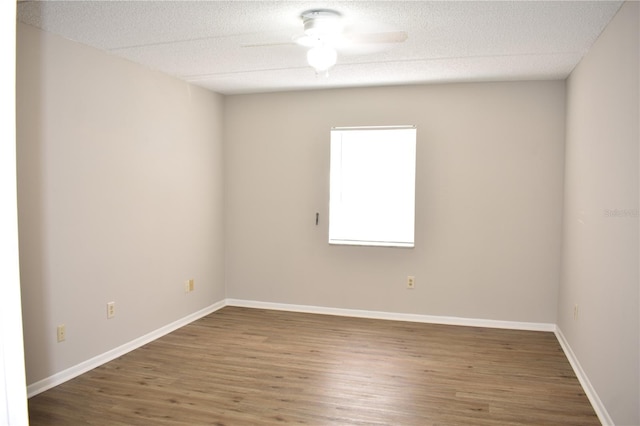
[274,44]
[375,38]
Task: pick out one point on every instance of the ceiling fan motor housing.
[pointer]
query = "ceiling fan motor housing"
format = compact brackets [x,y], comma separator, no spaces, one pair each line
[319,23]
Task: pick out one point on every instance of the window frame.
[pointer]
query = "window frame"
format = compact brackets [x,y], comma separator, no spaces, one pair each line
[339,234]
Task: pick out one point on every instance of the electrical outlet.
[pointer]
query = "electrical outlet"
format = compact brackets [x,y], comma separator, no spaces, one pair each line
[575,312]
[191,284]
[411,282]
[187,285]
[111,310]
[62,333]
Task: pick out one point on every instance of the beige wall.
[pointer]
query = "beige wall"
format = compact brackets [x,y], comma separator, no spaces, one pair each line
[120,199]
[600,254]
[488,202]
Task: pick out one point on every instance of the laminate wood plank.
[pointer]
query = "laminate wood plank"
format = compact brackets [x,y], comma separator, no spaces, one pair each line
[241,366]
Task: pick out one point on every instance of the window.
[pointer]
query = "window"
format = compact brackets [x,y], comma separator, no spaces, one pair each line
[372,187]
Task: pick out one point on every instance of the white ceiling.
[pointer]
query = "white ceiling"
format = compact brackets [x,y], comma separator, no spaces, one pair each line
[216,44]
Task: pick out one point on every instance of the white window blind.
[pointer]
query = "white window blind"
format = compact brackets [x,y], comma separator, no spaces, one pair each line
[372,186]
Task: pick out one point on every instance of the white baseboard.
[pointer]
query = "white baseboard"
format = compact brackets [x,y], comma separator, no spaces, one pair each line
[432,319]
[68,374]
[597,404]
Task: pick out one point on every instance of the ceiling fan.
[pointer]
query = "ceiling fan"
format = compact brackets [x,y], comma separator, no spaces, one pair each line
[325,34]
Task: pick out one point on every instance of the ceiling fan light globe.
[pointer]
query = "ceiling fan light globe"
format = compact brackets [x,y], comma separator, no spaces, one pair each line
[321,58]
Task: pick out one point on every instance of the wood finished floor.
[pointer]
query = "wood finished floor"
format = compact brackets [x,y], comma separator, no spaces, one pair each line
[243,366]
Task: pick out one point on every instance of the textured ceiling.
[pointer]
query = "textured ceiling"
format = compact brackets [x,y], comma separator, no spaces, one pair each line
[243,47]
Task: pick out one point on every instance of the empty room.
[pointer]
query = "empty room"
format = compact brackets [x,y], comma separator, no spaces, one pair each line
[324,213]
